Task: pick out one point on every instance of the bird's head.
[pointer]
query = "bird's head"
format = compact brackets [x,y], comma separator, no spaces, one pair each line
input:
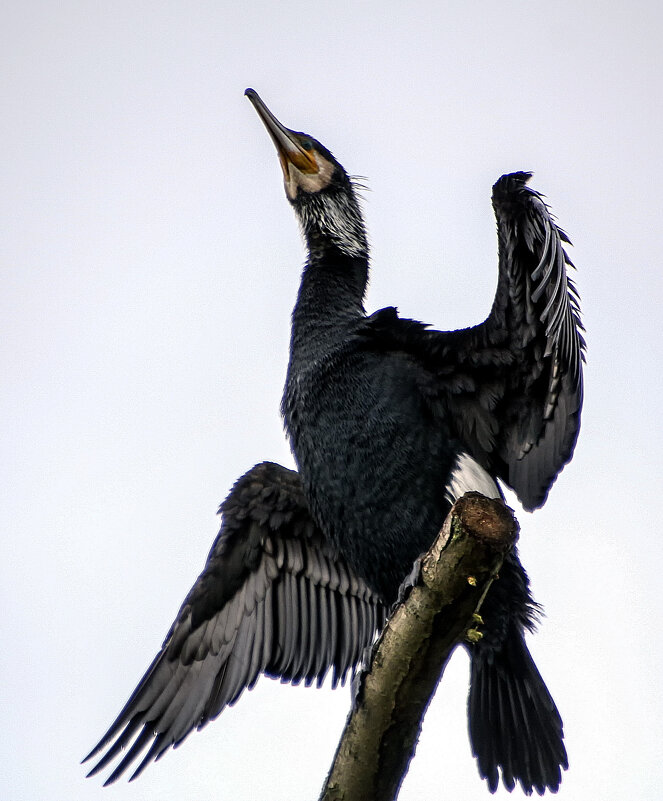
[318,187]
[307,165]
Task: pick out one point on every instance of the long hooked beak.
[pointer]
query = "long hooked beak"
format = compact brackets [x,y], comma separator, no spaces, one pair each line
[286,141]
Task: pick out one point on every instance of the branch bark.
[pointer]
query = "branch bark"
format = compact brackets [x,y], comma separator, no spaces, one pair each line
[409,658]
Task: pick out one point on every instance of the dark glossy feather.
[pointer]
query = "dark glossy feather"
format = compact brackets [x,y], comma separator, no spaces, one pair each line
[544,327]
[515,728]
[511,388]
[269,600]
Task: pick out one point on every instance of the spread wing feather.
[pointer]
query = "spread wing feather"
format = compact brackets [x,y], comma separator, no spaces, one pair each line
[511,388]
[273,598]
[537,306]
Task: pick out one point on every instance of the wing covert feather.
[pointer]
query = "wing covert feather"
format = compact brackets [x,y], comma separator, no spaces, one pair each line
[538,306]
[511,388]
[266,602]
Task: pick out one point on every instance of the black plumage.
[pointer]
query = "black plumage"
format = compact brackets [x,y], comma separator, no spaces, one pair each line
[389,421]
[274,597]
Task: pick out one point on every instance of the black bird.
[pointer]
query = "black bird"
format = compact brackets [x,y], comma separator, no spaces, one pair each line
[389,422]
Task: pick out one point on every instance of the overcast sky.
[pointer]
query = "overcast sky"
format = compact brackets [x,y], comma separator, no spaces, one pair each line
[150,262]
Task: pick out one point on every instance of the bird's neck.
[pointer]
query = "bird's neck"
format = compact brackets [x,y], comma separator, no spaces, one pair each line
[328,311]
[330,299]
[332,222]
[331,295]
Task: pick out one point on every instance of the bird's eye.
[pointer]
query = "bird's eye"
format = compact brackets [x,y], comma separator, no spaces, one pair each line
[307,145]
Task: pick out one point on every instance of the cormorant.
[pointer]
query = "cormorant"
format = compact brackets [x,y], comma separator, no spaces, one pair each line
[389,422]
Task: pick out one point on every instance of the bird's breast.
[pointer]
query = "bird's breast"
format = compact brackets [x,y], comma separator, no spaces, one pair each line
[373,464]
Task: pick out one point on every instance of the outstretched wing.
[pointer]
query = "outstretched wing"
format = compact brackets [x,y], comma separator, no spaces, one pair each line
[273,598]
[511,388]
[535,316]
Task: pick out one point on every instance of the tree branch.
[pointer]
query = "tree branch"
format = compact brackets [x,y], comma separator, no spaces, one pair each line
[409,658]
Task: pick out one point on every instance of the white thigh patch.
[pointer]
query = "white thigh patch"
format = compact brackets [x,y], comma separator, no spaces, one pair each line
[467,475]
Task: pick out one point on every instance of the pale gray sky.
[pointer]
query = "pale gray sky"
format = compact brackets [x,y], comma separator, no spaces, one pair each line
[149,264]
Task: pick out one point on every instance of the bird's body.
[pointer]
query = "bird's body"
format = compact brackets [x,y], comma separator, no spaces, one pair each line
[389,422]
[366,453]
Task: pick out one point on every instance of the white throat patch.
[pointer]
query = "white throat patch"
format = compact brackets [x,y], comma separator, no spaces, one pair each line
[337,218]
[310,182]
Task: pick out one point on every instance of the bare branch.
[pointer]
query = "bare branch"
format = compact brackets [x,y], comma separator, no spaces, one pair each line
[409,658]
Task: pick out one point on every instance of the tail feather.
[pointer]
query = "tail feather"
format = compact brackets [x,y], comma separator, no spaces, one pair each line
[514,724]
